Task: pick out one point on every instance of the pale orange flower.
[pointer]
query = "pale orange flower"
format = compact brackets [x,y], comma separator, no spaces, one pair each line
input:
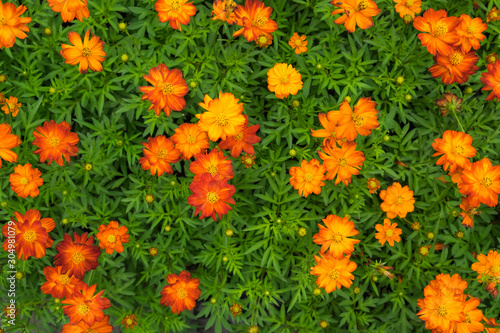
[7,142]
[408,7]
[70,9]
[468,212]
[299,44]
[330,123]
[11,106]
[333,273]
[86,53]
[284,80]
[388,232]
[224,11]
[181,292]
[488,266]
[25,181]
[83,305]
[308,178]
[455,67]
[11,24]
[214,163]
[441,311]
[176,12]
[398,201]
[491,80]
[112,236]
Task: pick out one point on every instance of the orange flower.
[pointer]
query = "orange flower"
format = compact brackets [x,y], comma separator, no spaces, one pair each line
[491,322]
[488,266]
[284,80]
[360,121]
[176,12]
[158,155]
[86,53]
[214,163]
[333,273]
[334,237]
[129,321]
[441,311]
[77,257]
[456,148]
[491,80]
[101,326]
[190,140]
[298,43]
[473,316]
[12,25]
[356,12]
[181,292]
[440,30]
[7,142]
[254,17]
[468,212]
[243,141]
[25,181]
[55,141]
[342,162]
[330,122]
[59,285]
[470,32]
[83,305]
[111,237]
[444,283]
[456,176]
[11,106]
[223,117]
[264,41]
[308,178]
[373,184]
[398,201]
[70,9]
[455,67]
[224,11]
[408,7]
[388,232]
[493,15]
[481,183]
[168,91]
[248,160]
[211,196]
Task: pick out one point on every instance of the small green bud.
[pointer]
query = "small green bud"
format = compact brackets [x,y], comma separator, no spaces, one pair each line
[89,166]
[213,300]
[292,152]
[3,204]
[469,90]
[430,235]
[172,183]
[64,221]
[387,138]
[408,97]
[119,143]
[296,104]
[400,80]
[317,292]
[347,99]
[319,66]
[193,84]
[47,31]
[52,90]
[57,300]
[168,228]
[125,57]
[229,233]
[357,290]
[122,26]
[225,259]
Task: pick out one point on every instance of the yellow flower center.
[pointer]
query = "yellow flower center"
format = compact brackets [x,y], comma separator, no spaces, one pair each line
[29,236]
[337,237]
[54,141]
[263,39]
[181,292]
[78,257]
[260,21]
[213,170]
[389,233]
[486,182]
[409,3]
[175,5]
[238,136]
[441,311]
[458,150]
[221,120]
[441,30]
[373,184]
[359,121]
[212,197]
[308,177]
[456,58]
[167,89]
[248,160]
[334,274]
[64,279]
[129,321]
[89,330]
[467,319]
[86,52]
[3,21]
[161,154]
[363,5]
[342,162]
[298,42]
[111,238]
[495,269]
[285,79]
[191,139]
[399,200]
[82,309]
[470,29]
[24,181]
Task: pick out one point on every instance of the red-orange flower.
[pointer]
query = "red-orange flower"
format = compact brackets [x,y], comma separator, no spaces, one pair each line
[330,122]
[83,305]
[176,12]
[7,142]
[243,141]
[470,32]
[299,44]
[388,232]
[398,201]
[190,140]
[211,196]
[181,292]
[254,17]
[59,285]
[224,11]
[101,326]
[356,12]
[333,273]
[168,90]
[440,36]
[12,25]
[360,121]
[455,67]
[308,178]
[481,183]
[468,212]
[77,257]
[456,148]
[111,237]
[70,9]
[491,80]
[55,141]
[335,236]
[408,7]
[158,155]
[493,15]
[214,163]
[130,321]
[342,162]
[11,106]
[86,53]
[25,181]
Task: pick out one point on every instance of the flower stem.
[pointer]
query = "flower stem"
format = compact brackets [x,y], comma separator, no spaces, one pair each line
[458,120]
[136,47]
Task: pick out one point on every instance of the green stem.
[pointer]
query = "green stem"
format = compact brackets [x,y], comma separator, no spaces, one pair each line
[136,47]
[455,114]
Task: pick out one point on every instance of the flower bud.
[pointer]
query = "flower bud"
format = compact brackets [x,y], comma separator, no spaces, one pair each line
[229,233]
[193,84]
[302,232]
[122,26]
[400,80]
[125,57]
[47,31]
[296,104]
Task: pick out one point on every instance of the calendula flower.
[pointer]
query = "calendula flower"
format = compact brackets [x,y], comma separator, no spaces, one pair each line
[373,184]
[243,141]
[255,19]
[7,142]
[330,123]
[213,163]
[181,292]
[83,305]
[440,35]
[456,148]
[129,321]
[481,183]
[55,141]
[468,212]
[333,273]
[11,24]
[70,9]
[284,80]
[408,7]
[342,162]
[491,80]
[190,140]
[335,236]
[264,40]
[86,53]
[388,233]
[360,121]
[59,285]
[355,12]
[11,106]
[308,178]
[158,155]
[111,237]
[299,44]
[449,102]
[176,12]
[470,32]
[455,67]
[101,326]
[398,201]
[224,11]
[25,181]
[493,15]
[488,265]
[77,257]
[168,90]
[441,311]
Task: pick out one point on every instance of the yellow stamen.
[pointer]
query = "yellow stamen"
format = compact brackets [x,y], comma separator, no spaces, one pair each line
[212,197]
[29,236]
[86,52]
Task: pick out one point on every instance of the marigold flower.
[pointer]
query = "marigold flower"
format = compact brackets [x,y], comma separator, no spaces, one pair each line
[360,121]
[7,142]
[335,236]
[449,102]
[59,285]
[211,196]
[86,53]
[181,292]
[223,117]
[111,237]
[481,183]
[398,201]
[158,155]
[77,257]
[333,273]
[224,11]
[342,162]
[329,122]
[299,44]
[493,15]
[284,80]
[441,311]
[101,326]
[355,12]
[264,40]
[168,90]
[25,181]
[388,232]
[190,140]
[70,9]
[308,178]
[11,106]
[470,32]
[455,67]
[440,33]
[491,80]
[456,148]
[373,184]
[214,163]
[408,7]
[11,24]
[176,12]
[468,212]
[129,321]
[83,305]
[254,17]
[55,141]
[248,160]
[488,265]
[243,141]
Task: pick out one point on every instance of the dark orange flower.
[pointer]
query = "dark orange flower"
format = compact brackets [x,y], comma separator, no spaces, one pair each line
[473,317]
[129,321]
[308,178]
[373,184]
[490,59]
[243,141]
[77,257]
[224,11]
[213,163]
[83,305]
[441,35]
[264,40]
[168,90]
[334,238]
[470,32]
[408,7]
[101,326]
[342,162]
[11,24]
[70,9]
[330,122]
[211,196]
[491,80]
[248,160]
[398,201]
[283,80]
[455,67]
[356,12]
[360,121]
[59,285]
[493,15]
[254,17]
[111,237]
[190,140]
[481,183]
[11,106]
[86,53]
[468,212]
[299,44]
[388,232]
[55,141]
[158,155]
[25,181]
[181,292]
[456,148]
[7,142]
[176,12]
[333,273]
